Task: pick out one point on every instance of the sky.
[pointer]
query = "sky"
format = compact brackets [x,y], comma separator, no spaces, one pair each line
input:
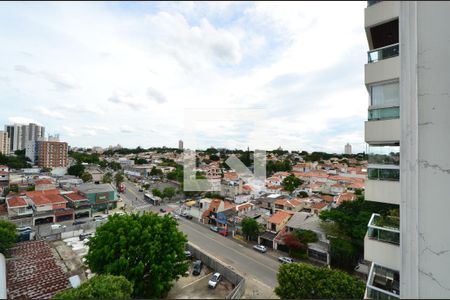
[224,74]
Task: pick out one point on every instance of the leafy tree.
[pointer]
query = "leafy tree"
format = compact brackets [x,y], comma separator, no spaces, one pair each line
[15,162]
[214,157]
[140,161]
[76,170]
[118,178]
[100,287]
[290,183]
[157,193]
[148,250]
[7,235]
[103,164]
[31,188]
[156,172]
[278,166]
[343,254]
[306,236]
[14,188]
[86,176]
[250,227]
[114,165]
[169,192]
[301,281]
[107,178]
[303,194]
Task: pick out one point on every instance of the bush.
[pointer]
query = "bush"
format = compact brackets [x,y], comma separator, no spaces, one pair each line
[8,235]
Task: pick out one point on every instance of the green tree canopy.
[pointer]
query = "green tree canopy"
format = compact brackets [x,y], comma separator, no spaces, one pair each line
[76,170]
[169,192]
[156,172]
[301,281]
[8,235]
[119,178]
[147,249]
[157,193]
[100,287]
[107,178]
[250,227]
[290,183]
[86,176]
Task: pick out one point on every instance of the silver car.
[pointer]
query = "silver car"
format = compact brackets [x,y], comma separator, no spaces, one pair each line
[260,248]
[214,281]
[285,260]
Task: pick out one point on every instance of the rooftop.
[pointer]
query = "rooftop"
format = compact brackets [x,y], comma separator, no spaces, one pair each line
[88,188]
[16,202]
[279,217]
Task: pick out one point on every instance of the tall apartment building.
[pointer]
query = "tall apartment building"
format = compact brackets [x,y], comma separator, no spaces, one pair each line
[348,149]
[408,137]
[22,135]
[180,144]
[52,154]
[4,143]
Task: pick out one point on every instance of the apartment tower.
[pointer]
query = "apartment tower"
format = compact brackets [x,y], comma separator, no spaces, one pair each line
[407,132]
[52,154]
[4,143]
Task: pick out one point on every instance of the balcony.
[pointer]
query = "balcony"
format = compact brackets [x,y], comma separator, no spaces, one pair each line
[382,70]
[382,131]
[384,113]
[382,283]
[383,172]
[383,191]
[384,229]
[383,53]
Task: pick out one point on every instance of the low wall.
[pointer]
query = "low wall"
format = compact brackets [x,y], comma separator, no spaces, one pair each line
[237,280]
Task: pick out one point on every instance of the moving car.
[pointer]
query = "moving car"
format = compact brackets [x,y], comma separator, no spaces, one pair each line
[260,248]
[285,260]
[214,281]
[78,222]
[214,228]
[197,267]
[223,232]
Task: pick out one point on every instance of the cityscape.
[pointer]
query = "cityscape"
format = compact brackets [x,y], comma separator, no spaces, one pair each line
[245,196]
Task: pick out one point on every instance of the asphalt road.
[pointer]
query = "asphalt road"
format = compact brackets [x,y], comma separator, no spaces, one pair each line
[246,261]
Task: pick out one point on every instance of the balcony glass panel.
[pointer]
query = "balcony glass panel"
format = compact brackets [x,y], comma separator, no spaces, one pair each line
[384,113]
[384,229]
[384,155]
[383,53]
[383,174]
[383,283]
[386,94]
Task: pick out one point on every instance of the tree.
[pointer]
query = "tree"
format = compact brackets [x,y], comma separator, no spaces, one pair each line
[301,281]
[7,235]
[250,227]
[107,178]
[118,178]
[214,157]
[303,194]
[76,170]
[343,254]
[169,192]
[86,176]
[147,249]
[156,172]
[290,183]
[100,287]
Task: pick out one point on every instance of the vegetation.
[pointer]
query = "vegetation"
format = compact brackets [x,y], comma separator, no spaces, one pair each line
[8,235]
[76,170]
[301,281]
[303,194]
[157,193]
[290,183]
[278,166]
[119,178]
[140,161]
[350,224]
[176,174]
[148,250]
[298,240]
[250,227]
[100,287]
[82,157]
[107,178]
[156,172]
[17,161]
[169,192]
[86,177]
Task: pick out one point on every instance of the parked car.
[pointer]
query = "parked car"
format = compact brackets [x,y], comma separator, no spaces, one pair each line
[84,236]
[285,260]
[141,190]
[78,222]
[223,232]
[57,226]
[214,281]
[260,248]
[188,254]
[214,228]
[162,210]
[197,267]
[100,218]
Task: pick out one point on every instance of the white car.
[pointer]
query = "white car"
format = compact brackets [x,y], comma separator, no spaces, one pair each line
[57,226]
[285,260]
[260,248]
[214,281]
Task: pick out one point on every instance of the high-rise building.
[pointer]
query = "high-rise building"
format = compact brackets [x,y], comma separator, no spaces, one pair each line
[348,149]
[52,154]
[180,144]
[4,143]
[21,135]
[408,139]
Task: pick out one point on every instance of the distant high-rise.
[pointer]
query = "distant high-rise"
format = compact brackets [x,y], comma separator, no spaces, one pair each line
[348,149]
[4,143]
[21,135]
[52,154]
[180,144]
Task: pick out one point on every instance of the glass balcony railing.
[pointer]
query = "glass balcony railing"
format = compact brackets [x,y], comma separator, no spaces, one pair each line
[383,283]
[384,113]
[384,229]
[383,172]
[384,155]
[383,53]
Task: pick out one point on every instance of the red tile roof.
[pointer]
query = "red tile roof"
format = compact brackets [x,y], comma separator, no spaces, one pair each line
[43,181]
[75,196]
[345,197]
[33,272]
[243,206]
[16,202]
[41,193]
[230,176]
[48,199]
[279,217]
[319,205]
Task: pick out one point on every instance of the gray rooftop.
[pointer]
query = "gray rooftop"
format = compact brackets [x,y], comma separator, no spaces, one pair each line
[304,220]
[88,188]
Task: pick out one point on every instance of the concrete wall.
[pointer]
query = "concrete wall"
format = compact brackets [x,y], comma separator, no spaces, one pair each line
[382,131]
[425,146]
[383,191]
[383,70]
[382,253]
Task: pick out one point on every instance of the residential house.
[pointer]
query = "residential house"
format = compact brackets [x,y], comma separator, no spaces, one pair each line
[18,207]
[216,213]
[288,204]
[49,207]
[101,197]
[274,224]
[44,184]
[348,196]
[267,201]
[79,203]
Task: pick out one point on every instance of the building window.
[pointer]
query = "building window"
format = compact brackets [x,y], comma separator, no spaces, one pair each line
[384,101]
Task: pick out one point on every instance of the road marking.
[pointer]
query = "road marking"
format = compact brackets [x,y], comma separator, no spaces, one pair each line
[259,263]
[197,280]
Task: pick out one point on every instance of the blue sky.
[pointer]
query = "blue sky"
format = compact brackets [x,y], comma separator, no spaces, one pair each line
[105,73]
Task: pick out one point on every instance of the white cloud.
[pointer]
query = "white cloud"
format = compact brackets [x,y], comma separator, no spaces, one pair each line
[47,112]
